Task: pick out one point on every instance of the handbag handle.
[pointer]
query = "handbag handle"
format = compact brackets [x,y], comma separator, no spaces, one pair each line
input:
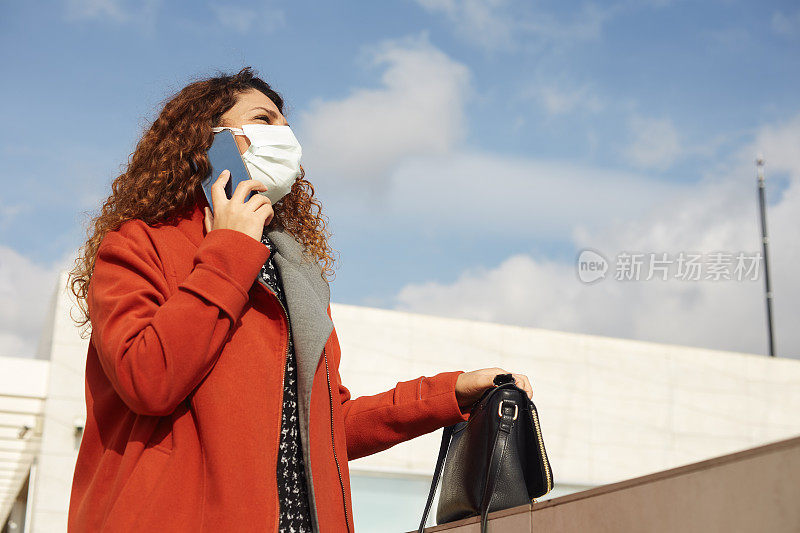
[492,472]
[437,473]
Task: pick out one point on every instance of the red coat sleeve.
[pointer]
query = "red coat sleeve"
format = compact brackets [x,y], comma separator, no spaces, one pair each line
[412,408]
[155,349]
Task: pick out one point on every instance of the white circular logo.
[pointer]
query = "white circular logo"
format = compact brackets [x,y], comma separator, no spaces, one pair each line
[591,266]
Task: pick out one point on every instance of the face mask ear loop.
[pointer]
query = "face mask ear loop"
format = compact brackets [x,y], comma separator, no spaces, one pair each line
[235,131]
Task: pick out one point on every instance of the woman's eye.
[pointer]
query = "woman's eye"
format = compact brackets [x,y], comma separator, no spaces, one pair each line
[265,118]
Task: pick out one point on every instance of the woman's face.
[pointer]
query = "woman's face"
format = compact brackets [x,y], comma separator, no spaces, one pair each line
[251,107]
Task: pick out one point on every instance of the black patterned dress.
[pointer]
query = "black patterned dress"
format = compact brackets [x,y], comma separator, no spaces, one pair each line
[295,514]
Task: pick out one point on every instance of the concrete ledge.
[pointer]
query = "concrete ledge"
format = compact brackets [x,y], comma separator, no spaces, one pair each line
[754,490]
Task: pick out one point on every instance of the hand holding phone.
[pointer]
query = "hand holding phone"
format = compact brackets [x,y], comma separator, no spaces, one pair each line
[223,154]
[249,216]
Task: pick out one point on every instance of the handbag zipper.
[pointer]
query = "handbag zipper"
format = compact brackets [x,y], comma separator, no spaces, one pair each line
[283,377]
[535,420]
[333,444]
[547,475]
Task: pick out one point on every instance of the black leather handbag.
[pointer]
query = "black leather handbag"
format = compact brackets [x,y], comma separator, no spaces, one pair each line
[495,460]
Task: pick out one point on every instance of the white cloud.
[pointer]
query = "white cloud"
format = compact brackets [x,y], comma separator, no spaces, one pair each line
[116,11]
[779,145]
[26,290]
[97,9]
[655,143]
[719,214]
[787,25]
[242,18]
[559,99]
[486,22]
[497,195]
[10,212]
[519,291]
[417,110]
[586,24]
[500,24]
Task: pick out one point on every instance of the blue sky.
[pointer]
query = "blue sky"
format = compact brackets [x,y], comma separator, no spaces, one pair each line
[465,151]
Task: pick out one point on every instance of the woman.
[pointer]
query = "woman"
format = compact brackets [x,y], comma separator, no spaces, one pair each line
[213,395]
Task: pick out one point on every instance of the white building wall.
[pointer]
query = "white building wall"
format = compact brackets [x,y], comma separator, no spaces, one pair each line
[610,409]
[64,406]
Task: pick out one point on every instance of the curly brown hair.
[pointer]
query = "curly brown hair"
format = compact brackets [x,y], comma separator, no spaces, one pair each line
[160,184]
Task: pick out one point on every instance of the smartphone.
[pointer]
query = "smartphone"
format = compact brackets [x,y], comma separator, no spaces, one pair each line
[224,154]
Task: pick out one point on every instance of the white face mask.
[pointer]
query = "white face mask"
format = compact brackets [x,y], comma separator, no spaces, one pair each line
[273,157]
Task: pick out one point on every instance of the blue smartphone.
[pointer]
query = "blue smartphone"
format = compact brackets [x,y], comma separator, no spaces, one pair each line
[224,154]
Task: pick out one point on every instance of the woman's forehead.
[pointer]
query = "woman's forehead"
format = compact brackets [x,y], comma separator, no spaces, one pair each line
[254,98]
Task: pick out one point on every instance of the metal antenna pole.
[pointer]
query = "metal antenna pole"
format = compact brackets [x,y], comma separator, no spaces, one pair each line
[765,247]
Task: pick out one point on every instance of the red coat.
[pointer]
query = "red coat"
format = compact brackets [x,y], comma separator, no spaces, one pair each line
[184,384]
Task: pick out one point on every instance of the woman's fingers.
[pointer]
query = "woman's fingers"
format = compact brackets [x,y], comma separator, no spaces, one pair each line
[256,201]
[218,196]
[244,188]
[470,385]
[246,217]
[521,380]
[266,207]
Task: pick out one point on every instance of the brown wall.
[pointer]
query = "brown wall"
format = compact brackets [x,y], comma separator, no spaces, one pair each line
[756,490]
